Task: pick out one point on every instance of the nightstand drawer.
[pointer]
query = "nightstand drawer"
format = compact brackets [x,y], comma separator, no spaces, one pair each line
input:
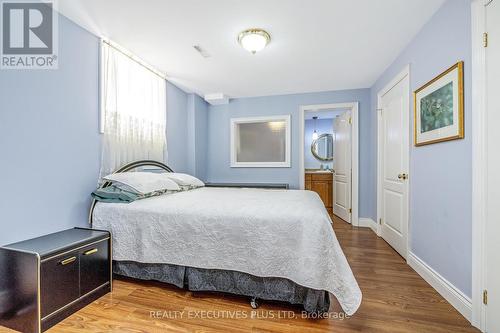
[94,266]
[59,282]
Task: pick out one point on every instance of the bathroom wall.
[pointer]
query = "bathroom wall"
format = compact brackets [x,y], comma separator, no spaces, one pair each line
[323,126]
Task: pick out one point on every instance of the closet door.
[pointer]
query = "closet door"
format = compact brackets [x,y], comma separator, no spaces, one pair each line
[394,164]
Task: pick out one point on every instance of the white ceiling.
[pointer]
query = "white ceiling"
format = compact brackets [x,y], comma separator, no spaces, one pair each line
[317,45]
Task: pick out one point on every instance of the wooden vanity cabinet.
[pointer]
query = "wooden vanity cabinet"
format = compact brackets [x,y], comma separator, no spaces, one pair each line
[321,183]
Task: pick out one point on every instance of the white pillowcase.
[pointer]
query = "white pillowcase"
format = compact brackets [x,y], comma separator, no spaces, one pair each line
[184,180]
[142,182]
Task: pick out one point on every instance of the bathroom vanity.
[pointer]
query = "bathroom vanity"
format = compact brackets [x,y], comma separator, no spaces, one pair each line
[321,182]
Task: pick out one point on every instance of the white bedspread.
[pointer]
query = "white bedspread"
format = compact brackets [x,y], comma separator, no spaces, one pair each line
[266,233]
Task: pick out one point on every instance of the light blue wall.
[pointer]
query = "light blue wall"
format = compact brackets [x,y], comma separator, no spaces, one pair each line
[219,170]
[177,121]
[323,126]
[201,136]
[440,174]
[187,116]
[189,132]
[49,140]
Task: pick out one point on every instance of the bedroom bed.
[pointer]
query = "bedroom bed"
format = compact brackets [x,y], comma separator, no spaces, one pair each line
[265,244]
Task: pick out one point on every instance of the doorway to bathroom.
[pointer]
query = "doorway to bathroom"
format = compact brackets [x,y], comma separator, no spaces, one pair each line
[329,156]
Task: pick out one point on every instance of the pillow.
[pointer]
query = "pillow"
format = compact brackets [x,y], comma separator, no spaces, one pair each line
[115,194]
[185,181]
[142,182]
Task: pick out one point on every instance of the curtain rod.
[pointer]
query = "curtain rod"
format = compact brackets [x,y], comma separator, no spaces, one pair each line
[134,58]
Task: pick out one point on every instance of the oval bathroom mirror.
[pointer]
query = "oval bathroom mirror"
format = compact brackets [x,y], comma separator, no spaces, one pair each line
[322,147]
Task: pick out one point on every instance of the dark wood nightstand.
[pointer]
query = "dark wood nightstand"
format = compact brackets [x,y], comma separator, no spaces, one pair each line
[44,280]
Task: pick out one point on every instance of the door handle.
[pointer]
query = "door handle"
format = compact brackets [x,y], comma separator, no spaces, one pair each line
[68,261]
[89,252]
[403,176]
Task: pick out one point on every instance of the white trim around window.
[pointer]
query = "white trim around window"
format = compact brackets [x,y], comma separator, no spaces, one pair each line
[261,164]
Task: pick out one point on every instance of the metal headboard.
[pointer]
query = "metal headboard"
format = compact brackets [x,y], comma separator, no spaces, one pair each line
[125,168]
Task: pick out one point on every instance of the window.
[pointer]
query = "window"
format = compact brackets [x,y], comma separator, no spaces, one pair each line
[133,110]
[260,142]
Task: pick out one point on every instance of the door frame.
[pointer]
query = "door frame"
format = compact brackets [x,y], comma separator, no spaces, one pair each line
[354,108]
[403,75]
[479,175]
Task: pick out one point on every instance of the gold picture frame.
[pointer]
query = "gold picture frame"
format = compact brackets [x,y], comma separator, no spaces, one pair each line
[433,120]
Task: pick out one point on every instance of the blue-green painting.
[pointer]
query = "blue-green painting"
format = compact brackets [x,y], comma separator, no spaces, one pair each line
[436,109]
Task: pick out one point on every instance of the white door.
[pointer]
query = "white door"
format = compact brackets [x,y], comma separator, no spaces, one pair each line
[342,167]
[394,161]
[493,167]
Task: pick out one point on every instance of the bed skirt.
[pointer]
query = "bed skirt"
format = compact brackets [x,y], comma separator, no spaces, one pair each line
[198,279]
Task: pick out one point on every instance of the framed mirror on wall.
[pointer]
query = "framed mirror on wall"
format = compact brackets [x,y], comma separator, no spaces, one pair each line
[260,142]
[322,147]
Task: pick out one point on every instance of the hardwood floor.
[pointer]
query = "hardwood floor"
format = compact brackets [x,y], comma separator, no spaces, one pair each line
[395,299]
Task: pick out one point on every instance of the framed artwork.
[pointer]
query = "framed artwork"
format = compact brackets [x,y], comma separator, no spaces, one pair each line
[439,108]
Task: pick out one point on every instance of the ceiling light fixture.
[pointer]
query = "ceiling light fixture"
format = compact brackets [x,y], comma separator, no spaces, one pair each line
[254,40]
[315,133]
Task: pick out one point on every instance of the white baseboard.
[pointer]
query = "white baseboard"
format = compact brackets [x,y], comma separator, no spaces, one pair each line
[455,297]
[368,223]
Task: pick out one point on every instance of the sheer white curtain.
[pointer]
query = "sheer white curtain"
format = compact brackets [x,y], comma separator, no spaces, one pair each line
[134,108]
